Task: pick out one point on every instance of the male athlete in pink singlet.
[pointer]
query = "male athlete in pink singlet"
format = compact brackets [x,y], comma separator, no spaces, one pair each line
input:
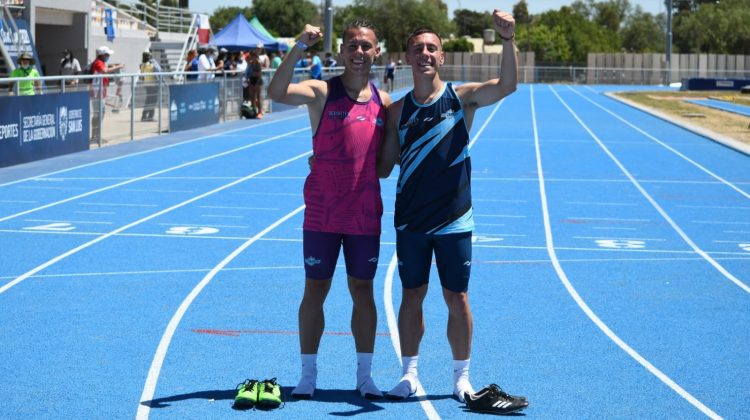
[342,193]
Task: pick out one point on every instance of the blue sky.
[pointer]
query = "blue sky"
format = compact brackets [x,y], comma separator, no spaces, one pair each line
[535,6]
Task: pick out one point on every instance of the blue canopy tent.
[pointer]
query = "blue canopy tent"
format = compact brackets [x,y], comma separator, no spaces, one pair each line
[239,35]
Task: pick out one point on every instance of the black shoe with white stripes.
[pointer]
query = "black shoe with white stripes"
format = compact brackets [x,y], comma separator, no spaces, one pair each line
[492,399]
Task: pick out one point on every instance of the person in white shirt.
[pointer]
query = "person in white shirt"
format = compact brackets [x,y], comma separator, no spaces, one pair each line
[206,63]
[69,66]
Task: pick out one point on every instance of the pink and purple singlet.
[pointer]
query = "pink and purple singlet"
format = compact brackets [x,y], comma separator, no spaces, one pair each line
[342,192]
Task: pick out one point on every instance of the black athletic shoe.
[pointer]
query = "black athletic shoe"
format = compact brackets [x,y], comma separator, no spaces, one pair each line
[492,399]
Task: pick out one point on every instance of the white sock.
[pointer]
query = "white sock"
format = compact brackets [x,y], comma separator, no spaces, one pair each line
[365,385]
[461,382]
[407,385]
[306,386]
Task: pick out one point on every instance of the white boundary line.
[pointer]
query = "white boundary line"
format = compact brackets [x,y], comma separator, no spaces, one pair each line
[390,315]
[146,151]
[574,294]
[60,257]
[666,146]
[653,202]
[161,351]
[140,178]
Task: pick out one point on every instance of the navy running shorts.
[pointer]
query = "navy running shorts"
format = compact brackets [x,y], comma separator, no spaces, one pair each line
[321,251]
[452,257]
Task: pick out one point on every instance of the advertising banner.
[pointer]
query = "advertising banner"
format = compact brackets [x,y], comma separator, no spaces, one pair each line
[17,42]
[42,126]
[193,105]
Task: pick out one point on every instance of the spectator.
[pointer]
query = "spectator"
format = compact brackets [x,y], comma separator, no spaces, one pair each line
[329,61]
[69,66]
[99,86]
[206,64]
[316,66]
[26,70]
[390,72]
[265,62]
[191,64]
[276,59]
[254,75]
[148,66]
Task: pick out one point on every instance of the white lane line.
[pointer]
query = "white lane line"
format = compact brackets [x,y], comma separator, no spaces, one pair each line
[130,181]
[222,133]
[608,219]
[656,205]
[588,203]
[161,351]
[117,204]
[612,228]
[222,216]
[80,222]
[390,315]
[18,201]
[238,208]
[35,187]
[148,190]
[718,222]
[159,272]
[579,300]
[94,212]
[661,143]
[138,222]
[619,238]
[714,207]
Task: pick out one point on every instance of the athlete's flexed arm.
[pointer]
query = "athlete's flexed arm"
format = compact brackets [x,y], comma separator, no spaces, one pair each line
[477,95]
[308,92]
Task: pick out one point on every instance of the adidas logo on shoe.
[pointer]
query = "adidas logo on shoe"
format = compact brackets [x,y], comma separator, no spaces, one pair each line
[492,399]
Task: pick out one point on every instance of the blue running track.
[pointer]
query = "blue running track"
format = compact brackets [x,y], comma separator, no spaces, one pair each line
[743,110]
[611,273]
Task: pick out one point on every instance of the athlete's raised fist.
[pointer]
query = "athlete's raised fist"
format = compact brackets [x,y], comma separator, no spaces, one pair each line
[505,24]
[310,35]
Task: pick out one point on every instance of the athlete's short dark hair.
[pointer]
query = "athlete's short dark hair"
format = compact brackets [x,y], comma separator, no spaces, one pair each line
[422,30]
[360,23]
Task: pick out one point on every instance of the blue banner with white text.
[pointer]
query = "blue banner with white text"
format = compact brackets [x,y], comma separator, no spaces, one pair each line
[42,126]
[193,105]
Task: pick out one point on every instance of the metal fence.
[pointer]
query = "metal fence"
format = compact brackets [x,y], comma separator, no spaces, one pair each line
[120,115]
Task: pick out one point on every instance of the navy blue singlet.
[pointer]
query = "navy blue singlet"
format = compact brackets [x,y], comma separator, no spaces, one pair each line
[434,186]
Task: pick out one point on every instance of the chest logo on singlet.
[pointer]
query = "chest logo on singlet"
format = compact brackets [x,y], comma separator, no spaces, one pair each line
[411,123]
[449,114]
[338,115]
[379,122]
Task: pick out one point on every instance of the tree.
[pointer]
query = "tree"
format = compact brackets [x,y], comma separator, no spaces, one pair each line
[470,23]
[549,44]
[643,32]
[521,13]
[458,45]
[611,13]
[396,19]
[223,15]
[582,35]
[287,17]
[718,28]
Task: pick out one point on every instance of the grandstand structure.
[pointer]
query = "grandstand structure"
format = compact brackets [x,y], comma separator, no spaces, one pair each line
[127,27]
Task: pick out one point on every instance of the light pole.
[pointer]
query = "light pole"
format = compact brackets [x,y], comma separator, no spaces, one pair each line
[668,3]
[328,31]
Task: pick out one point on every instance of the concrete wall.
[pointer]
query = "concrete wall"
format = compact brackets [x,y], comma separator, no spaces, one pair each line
[652,68]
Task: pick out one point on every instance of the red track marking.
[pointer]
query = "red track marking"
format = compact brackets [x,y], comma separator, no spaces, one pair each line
[237,333]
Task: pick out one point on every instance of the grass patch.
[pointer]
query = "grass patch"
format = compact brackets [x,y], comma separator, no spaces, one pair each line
[673,103]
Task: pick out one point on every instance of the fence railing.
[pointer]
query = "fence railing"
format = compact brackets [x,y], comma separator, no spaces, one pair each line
[120,113]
